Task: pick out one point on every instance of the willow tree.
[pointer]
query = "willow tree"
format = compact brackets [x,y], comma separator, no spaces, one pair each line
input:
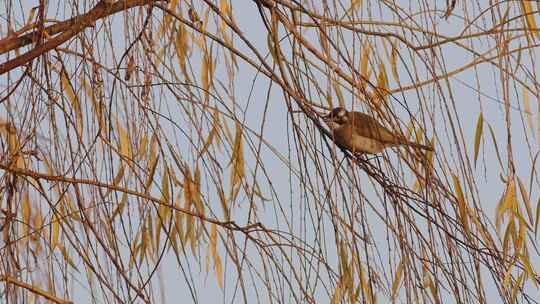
[159,150]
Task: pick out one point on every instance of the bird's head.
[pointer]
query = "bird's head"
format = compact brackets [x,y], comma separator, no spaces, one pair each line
[335,118]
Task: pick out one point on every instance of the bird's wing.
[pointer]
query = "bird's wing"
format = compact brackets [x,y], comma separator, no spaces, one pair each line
[369,127]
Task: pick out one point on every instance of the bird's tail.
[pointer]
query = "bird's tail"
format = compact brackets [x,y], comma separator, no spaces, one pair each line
[419,146]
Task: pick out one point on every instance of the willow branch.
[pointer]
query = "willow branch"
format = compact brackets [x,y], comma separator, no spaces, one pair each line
[66,30]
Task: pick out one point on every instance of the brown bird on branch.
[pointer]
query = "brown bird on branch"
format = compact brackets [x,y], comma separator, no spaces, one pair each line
[360,133]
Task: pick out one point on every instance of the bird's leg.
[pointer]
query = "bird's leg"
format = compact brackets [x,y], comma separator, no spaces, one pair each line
[373,157]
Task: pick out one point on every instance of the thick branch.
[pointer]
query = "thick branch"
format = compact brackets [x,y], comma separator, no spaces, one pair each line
[67,29]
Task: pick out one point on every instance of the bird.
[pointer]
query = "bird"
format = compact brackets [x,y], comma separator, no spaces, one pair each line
[360,133]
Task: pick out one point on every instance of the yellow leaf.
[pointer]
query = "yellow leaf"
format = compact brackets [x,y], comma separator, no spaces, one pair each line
[526,200]
[496,146]
[213,240]
[151,169]
[160,55]
[355,4]
[182,47]
[219,270]
[509,235]
[143,146]
[125,143]
[211,135]
[507,277]
[537,217]
[393,62]
[237,163]
[72,97]
[26,212]
[188,191]
[205,77]
[14,146]
[521,231]
[55,231]
[223,202]
[337,89]
[164,210]
[397,280]
[165,188]
[271,48]
[67,258]
[529,15]
[196,191]
[120,207]
[31,16]
[538,124]
[168,20]
[323,38]
[462,204]
[478,136]
[506,204]
[118,177]
[338,294]
[365,73]
[97,106]
[225,8]
[179,216]
[517,286]
[526,261]
[382,84]
[528,112]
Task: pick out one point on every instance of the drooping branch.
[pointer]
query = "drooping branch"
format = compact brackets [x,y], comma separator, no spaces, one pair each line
[66,30]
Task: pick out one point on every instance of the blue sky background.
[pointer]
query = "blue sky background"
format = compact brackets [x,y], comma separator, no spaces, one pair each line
[250,92]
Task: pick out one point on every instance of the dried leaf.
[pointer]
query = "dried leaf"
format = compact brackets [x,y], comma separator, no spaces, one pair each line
[182,47]
[210,138]
[125,143]
[323,38]
[529,15]
[120,208]
[337,89]
[218,268]
[462,204]
[528,112]
[478,136]
[130,68]
[507,203]
[55,227]
[537,217]
[355,4]
[196,188]
[496,146]
[67,258]
[237,160]
[164,211]
[74,100]
[338,294]
[26,212]
[382,84]
[118,177]
[393,62]
[526,200]
[143,146]
[365,72]
[397,280]
[519,283]
[151,169]
[96,105]
[205,76]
